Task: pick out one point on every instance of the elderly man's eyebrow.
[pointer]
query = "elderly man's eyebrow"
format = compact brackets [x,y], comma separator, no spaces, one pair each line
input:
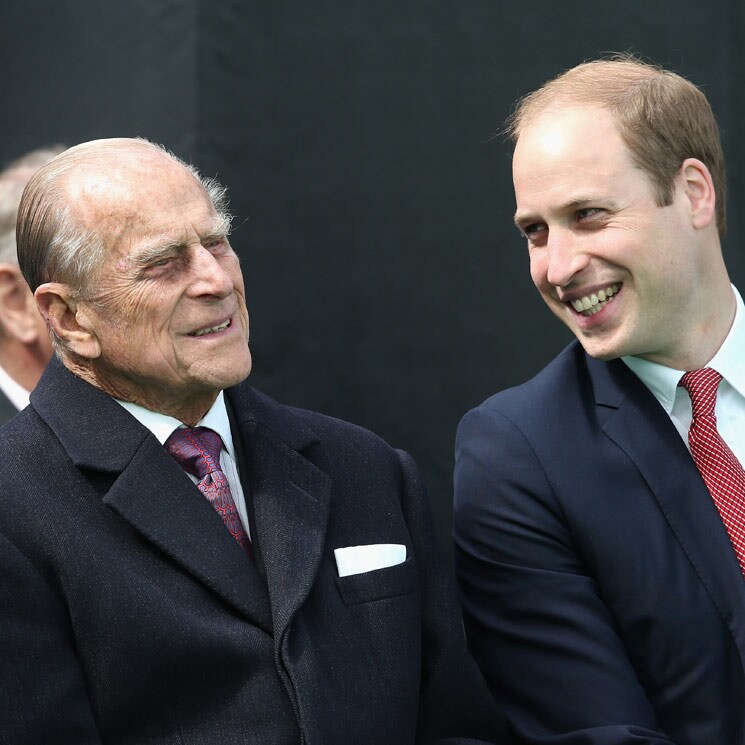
[157,251]
[167,247]
[221,225]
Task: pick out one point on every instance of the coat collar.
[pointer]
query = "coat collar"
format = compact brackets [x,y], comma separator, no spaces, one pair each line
[290,492]
[634,420]
[96,432]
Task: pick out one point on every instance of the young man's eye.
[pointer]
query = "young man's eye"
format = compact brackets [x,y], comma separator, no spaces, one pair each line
[533,230]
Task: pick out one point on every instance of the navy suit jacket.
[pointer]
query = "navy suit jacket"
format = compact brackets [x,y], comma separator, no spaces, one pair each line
[591,559]
[128,615]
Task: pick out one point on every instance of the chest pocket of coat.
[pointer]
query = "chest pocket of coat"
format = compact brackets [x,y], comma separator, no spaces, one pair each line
[378,584]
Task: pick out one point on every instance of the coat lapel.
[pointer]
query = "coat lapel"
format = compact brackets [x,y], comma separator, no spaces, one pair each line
[291,498]
[633,419]
[157,498]
[149,489]
[290,493]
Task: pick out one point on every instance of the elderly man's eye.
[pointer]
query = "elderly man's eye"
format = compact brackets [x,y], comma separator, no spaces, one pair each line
[214,241]
[157,265]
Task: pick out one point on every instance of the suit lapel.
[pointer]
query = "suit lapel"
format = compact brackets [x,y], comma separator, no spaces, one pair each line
[633,419]
[149,489]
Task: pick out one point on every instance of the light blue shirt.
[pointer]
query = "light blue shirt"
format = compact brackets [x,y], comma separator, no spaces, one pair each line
[729,362]
[216,418]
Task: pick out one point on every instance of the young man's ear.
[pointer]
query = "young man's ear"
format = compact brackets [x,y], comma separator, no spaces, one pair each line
[699,191]
[68,317]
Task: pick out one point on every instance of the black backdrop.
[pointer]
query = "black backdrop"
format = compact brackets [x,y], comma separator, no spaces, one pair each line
[385,281]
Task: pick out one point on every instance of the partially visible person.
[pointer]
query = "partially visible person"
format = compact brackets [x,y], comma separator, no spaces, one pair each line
[600,507]
[25,346]
[183,559]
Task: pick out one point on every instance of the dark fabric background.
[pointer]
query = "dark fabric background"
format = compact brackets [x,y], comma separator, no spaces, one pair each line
[374,205]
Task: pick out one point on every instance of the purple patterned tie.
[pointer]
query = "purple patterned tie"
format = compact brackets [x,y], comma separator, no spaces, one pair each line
[197,451]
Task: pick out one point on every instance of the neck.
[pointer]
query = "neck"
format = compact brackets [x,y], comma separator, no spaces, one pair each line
[695,346]
[188,409]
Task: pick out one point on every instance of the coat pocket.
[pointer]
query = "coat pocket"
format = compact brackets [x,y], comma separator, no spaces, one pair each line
[389,582]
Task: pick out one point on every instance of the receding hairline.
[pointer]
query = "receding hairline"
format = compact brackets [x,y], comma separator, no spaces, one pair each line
[50,200]
[118,154]
[115,151]
[98,166]
[624,72]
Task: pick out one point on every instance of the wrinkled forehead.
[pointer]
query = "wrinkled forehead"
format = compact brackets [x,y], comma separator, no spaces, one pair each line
[117,198]
[112,183]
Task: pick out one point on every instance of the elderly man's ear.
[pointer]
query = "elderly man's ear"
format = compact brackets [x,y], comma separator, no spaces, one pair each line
[18,313]
[69,318]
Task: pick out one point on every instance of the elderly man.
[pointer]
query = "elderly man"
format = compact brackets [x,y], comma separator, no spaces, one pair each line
[184,560]
[25,348]
[599,507]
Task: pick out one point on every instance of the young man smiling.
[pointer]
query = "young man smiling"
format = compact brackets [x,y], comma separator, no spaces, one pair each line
[597,551]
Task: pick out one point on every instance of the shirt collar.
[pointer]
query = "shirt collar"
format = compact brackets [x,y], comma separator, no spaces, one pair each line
[162,425]
[729,362]
[17,394]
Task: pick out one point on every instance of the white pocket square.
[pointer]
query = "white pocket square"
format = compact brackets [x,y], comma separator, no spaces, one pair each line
[358,559]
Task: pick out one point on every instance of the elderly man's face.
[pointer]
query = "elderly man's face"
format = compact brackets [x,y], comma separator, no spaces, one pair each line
[167,306]
[624,274]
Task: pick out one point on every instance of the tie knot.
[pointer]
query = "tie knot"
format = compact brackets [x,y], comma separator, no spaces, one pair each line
[196,449]
[702,388]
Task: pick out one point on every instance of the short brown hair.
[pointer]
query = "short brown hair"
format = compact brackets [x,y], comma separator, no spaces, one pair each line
[662,118]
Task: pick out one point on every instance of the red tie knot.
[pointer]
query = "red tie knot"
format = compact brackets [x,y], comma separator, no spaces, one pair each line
[702,387]
[196,449]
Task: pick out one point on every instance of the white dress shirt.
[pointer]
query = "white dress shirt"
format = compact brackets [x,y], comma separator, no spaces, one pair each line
[216,418]
[729,362]
[16,394]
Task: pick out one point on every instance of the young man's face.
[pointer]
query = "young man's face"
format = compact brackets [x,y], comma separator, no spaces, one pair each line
[620,271]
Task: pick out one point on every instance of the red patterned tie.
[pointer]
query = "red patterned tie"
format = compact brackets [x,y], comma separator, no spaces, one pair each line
[197,451]
[722,472]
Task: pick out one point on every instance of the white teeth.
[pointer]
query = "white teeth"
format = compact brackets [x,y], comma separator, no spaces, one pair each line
[211,330]
[589,305]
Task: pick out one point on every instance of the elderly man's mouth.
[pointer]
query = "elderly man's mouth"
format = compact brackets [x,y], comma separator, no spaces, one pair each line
[589,305]
[212,329]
